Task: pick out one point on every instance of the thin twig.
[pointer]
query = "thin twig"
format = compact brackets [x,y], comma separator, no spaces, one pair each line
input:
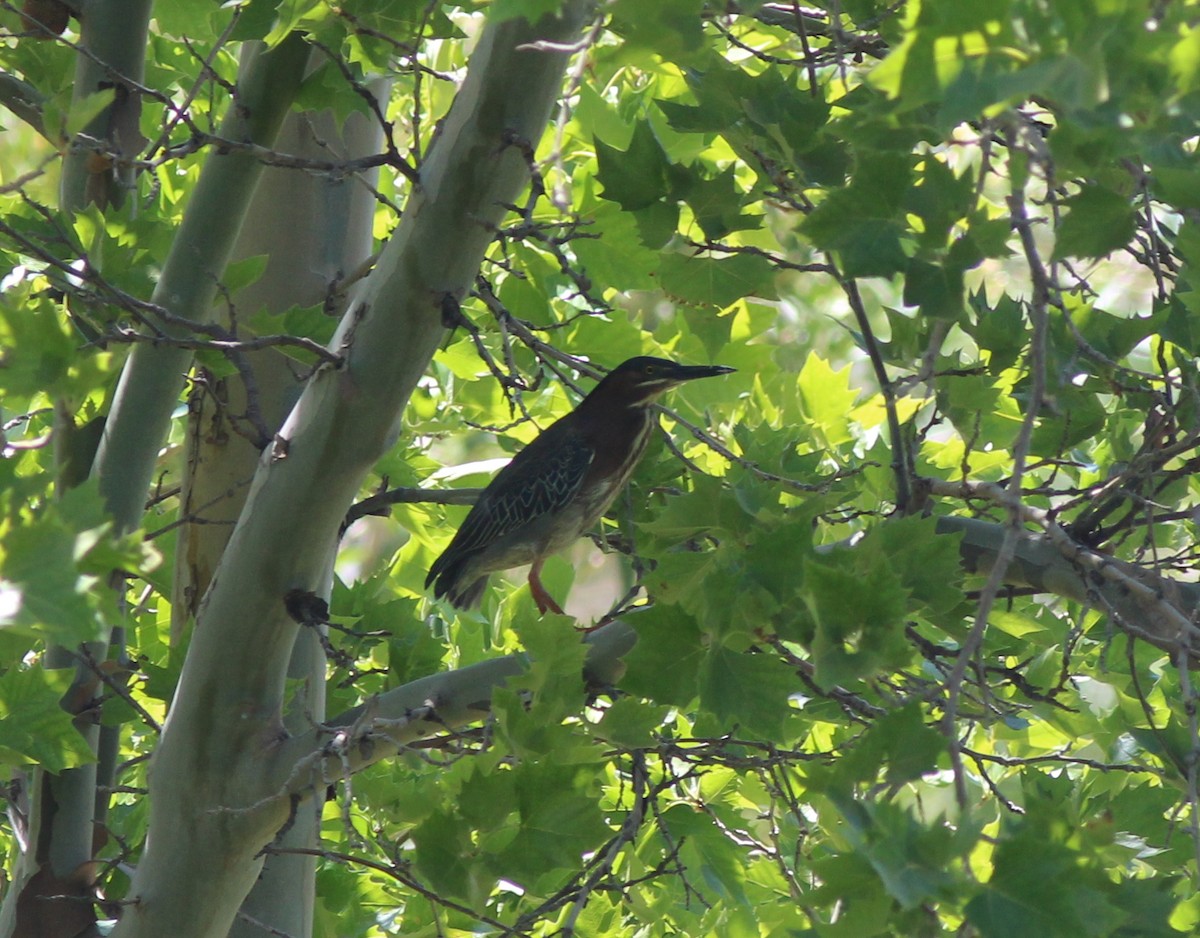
[901,457]
[381,502]
[1038,304]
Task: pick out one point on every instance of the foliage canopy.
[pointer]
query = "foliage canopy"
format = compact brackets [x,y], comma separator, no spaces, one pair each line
[913,590]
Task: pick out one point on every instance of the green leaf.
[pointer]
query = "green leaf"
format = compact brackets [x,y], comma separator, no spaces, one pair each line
[826,399]
[911,860]
[636,177]
[34,728]
[863,222]
[747,690]
[633,724]
[936,288]
[855,611]
[617,254]
[848,880]
[927,563]
[1185,59]
[39,564]
[1099,222]
[909,72]
[940,200]
[712,330]
[256,19]
[717,205]
[657,224]
[531,10]
[241,273]
[559,820]
[678,579]
[86,109]
[1035,890]
[708,852]
[1176,186]
[1072,418]
[557,662]
[899,745]
[703,281]
[1148,905]
[289,16]
[672,28]
[48,348]
[775,559]
[444,853]
[912,747]
[1000,329]
[665,663]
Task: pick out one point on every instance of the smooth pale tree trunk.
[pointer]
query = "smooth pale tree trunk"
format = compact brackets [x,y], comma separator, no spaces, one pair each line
[315,228]
[222,782]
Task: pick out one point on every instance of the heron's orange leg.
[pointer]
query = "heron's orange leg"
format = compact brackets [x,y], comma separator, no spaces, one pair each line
[542,598]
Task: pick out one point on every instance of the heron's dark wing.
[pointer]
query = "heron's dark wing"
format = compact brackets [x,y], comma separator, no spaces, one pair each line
[541,479]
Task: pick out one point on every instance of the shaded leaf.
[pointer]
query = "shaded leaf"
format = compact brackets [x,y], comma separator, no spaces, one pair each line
[1099,222]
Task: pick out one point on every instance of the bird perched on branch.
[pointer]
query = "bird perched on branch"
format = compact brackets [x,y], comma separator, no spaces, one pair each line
[560,484]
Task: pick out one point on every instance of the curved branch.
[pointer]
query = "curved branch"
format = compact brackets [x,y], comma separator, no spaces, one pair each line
[1141,603]
[429,706]
[25,101]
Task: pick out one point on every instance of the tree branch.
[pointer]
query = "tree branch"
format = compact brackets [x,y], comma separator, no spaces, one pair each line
[429,706]
[1140,602]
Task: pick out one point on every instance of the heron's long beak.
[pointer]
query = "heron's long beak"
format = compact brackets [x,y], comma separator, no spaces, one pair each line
[683,373]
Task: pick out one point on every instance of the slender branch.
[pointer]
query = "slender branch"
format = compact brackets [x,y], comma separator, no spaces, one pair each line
[718,447]
[776,260]
[381,502]
[181,113]
[628,833]
[1061,758]
[1036,363]
[392,871]
[127,336]
[25,101]
[901,457]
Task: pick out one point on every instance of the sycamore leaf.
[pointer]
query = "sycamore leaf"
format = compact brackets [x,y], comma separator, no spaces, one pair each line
[34,728]
[747,690]
[706,281]
[856,608]
[1099,222]
[636,177]
[863,222]
[826,399]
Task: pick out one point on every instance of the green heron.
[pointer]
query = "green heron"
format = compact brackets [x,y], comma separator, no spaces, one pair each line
[560,484]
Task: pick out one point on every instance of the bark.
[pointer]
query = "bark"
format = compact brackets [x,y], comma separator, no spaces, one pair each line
[1139,602]
[315,228]
[153,375]
[114,33]
[431,706]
